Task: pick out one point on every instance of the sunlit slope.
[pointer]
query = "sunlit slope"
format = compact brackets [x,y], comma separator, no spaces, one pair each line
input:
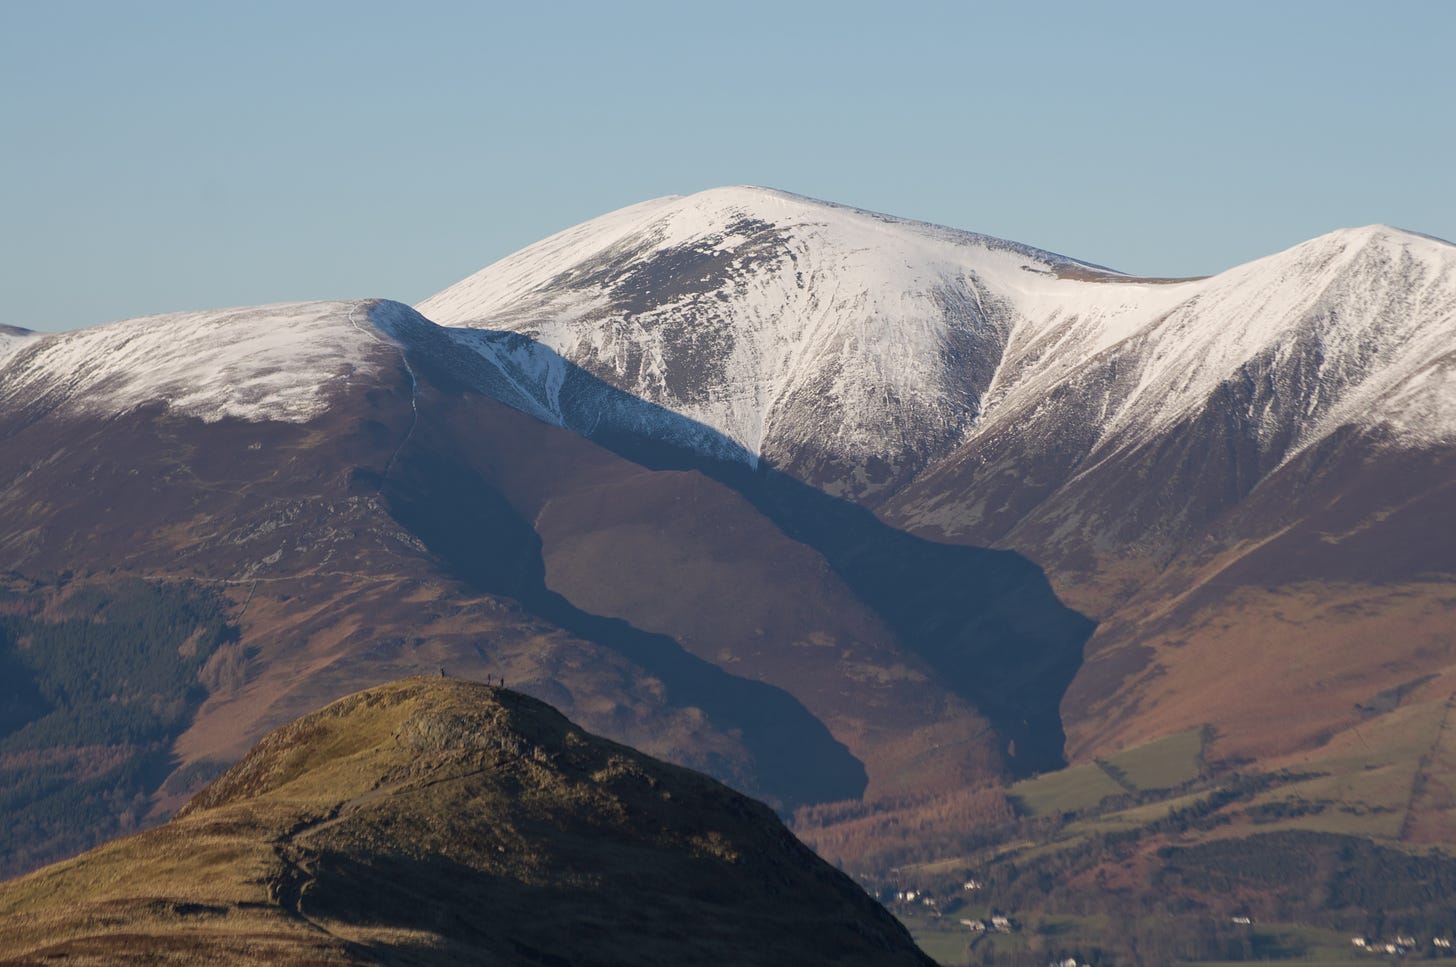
[435,821]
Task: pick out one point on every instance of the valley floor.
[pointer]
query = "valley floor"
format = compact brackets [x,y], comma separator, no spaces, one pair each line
[1154,856]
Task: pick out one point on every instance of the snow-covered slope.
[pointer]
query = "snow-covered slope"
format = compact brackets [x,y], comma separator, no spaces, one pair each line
[858,351]
[803,332]
[12,338]
[276,362]
[1128,417]
[855,348]
[1336,327]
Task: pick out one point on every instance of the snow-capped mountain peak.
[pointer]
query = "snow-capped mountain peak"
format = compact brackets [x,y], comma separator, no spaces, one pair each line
[746,309]
[856,347]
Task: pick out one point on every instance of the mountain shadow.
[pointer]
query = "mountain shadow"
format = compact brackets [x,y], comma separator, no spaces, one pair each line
[473,529]
[986,621]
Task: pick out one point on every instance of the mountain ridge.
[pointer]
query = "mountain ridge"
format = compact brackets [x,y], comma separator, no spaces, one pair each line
[417,521]
[982,328]
[1132,437]
[863,465]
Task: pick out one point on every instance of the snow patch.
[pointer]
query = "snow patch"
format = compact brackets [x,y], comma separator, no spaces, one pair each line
[13,339]
[277,362]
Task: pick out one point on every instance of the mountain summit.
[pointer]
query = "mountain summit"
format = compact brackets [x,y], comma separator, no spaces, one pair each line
[437,821]
[850,345]
[853,349]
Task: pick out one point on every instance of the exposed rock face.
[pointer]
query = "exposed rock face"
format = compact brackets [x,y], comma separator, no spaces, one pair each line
[440,821]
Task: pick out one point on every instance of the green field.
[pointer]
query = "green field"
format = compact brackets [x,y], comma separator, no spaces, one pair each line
[1303,945]
[1365,792]
[1134,818]
[952,945]
[944,941]
[1164,764]
[1070,790]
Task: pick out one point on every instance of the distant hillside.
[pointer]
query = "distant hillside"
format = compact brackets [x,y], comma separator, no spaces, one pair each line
[340,481]
[871,519]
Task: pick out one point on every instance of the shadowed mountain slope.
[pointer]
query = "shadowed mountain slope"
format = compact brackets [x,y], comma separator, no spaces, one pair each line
[984,623]
[1234,475]
[435,821]
[392,516]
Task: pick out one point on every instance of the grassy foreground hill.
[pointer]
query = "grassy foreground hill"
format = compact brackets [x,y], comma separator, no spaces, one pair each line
[439,821]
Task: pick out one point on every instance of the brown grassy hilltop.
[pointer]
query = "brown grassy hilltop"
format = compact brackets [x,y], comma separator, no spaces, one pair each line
[440,821]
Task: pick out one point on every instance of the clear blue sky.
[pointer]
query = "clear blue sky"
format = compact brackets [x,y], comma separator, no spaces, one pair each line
[163,156]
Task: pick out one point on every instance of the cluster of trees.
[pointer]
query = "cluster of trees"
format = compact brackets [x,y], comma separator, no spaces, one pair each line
[1343,882]
[97,685]
[1273,812]
[876,836]
[50,810]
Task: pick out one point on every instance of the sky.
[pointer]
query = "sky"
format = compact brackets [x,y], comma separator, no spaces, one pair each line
[168,156]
